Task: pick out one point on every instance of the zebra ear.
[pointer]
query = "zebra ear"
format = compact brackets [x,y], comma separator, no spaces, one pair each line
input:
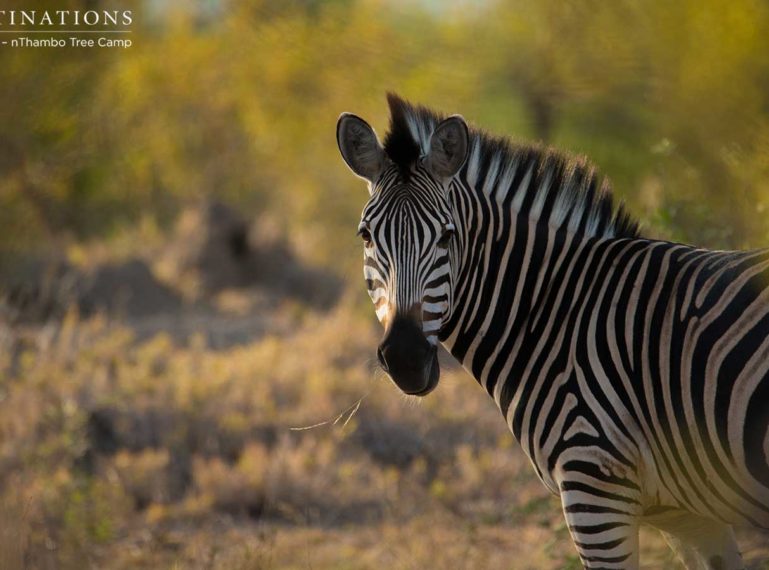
[360,146]
[448,147]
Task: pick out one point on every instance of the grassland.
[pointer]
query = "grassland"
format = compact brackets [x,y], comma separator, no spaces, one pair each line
[154,430]
[139,443]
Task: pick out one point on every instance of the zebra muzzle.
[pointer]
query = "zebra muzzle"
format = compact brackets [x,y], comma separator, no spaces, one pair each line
[408,358]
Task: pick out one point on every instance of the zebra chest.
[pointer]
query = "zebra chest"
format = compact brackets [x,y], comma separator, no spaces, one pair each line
[560,424]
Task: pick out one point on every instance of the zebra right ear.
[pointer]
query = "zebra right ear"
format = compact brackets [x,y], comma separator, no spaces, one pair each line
[360,147]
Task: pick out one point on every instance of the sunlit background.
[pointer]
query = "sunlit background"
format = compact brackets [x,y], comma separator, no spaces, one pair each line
[180,280]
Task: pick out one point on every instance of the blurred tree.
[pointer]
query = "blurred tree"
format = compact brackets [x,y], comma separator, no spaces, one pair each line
[239,99]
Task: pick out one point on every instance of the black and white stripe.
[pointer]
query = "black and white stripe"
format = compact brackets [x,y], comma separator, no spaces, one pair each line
[634,372]
[405,262]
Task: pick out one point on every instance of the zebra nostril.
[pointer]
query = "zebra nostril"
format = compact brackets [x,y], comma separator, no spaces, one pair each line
[381,358]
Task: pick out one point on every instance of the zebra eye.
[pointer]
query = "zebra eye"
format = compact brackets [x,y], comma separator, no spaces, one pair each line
[446,238]
[365,235]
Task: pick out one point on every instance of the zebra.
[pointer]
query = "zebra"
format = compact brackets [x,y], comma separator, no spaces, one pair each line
[633,372]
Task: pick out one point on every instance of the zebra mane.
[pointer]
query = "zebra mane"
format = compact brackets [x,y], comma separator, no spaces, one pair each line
[537,181]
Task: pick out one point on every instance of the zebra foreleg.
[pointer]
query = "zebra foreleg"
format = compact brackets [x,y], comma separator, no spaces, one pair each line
[604,532]
[700,543]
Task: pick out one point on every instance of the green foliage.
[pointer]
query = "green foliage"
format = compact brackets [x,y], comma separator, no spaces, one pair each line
[670,99]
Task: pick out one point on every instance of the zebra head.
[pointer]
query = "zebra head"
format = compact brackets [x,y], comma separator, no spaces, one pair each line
[410,244]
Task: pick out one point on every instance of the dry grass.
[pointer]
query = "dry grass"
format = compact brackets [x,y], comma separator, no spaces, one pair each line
[125,453]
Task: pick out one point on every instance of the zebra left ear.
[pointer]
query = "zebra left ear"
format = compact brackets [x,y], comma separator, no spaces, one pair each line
[448,147]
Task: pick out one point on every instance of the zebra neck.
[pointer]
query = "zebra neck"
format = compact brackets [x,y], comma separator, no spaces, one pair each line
[503,289]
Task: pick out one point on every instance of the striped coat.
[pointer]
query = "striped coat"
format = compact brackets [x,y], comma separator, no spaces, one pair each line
[634,372]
